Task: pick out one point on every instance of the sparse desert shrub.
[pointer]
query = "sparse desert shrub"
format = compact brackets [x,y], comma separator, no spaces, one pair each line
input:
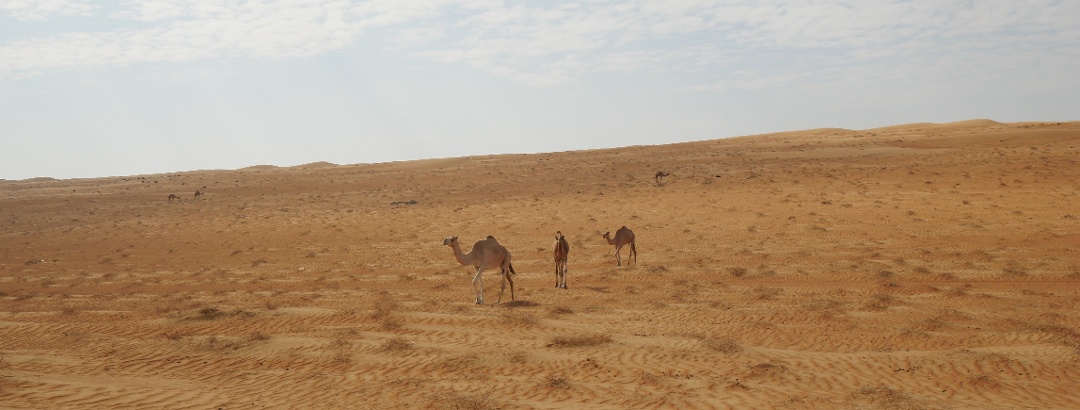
[458,363]
[724,344]
[396,344]
[738,271]
[579,340]
[879,301]
[765,293]
[929,325]
[984,381]
[560,310]
[649,378]
[390,322]
[1013,271]
[383,306]
[518,357]
[173,335]
[556,381]
[465,401]
[886,397]
[258,336]
[218,343]
[210,313]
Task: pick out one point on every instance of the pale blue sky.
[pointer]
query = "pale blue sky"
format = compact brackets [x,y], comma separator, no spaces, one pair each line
[125,87]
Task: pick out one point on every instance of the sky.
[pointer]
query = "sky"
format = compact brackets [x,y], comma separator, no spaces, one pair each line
[130,87]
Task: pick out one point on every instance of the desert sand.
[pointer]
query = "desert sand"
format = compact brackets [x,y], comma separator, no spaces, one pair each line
[920,266]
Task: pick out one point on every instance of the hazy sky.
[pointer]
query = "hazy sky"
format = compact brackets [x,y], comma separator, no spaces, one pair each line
[93,88]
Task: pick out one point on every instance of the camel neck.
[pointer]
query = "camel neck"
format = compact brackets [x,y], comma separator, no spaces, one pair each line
[461,257]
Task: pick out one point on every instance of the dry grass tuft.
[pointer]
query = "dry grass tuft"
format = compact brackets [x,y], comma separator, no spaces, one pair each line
[518,357]
[886,398]
[521,319]
[579,340]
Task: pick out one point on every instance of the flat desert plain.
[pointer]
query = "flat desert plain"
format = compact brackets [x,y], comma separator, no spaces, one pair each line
[921,266]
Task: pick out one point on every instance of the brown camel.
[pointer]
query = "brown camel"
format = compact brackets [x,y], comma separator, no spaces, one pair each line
[562,250]
[660,176]
[198,193]
[172,197]
[623,236]
[485,253]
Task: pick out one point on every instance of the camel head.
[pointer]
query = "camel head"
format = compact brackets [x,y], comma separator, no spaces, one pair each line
[449,240]
[558,235]
[607,235]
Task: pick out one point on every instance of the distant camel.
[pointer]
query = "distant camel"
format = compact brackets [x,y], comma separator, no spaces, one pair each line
[623,236]
[562,250]
[198,194]
[660,176]
[172,197]
[486,253]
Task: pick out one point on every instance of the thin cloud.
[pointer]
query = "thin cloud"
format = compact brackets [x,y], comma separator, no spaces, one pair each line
[43,9]
[714,44]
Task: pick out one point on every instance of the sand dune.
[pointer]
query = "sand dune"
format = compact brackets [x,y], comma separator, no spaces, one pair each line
[920,266]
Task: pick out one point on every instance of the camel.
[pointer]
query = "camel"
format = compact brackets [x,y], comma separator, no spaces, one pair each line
[172,197]
[485,253]
[562,250]
[623,236]
[660,176]
[198,194]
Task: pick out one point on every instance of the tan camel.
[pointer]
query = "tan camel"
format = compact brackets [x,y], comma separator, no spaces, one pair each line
[485,253]
[172,197]
[660,176]
[562,250]
[623,236]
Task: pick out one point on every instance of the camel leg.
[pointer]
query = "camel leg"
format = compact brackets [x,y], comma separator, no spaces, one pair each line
[478,286]
[565,271]
[506,278]
[506,274]
[503,288]
[618,261]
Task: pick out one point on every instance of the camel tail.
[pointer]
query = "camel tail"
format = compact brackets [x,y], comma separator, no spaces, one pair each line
[512,269]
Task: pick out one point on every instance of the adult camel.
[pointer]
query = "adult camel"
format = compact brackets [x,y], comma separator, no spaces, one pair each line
[623,236]
[485,253]
[562,250]
[660,176]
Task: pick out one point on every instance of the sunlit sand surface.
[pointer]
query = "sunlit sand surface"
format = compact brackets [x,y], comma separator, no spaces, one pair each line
[921,266]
